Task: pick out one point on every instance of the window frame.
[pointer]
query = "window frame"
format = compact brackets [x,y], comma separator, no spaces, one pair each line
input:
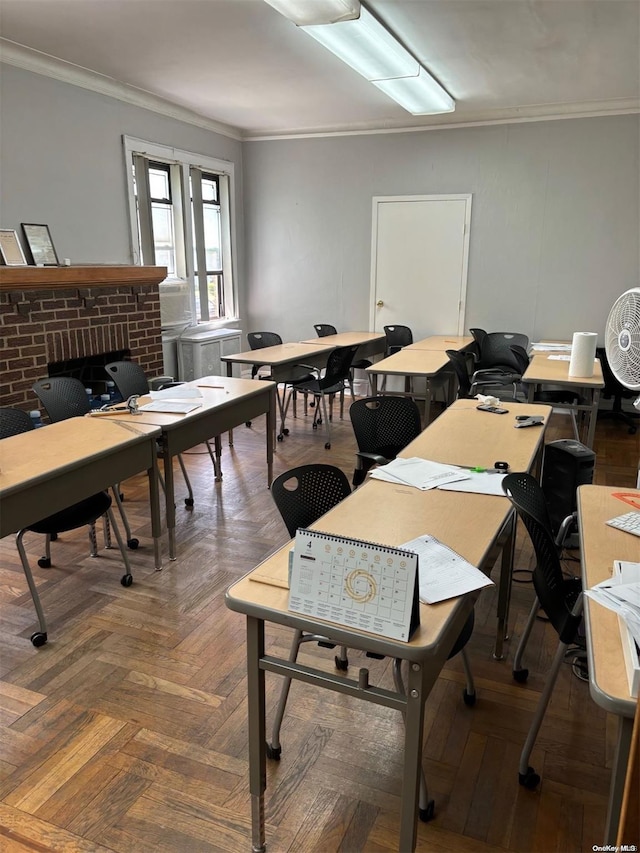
[180,163]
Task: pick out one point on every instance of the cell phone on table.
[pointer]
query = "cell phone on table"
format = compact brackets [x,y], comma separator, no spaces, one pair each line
[495,410]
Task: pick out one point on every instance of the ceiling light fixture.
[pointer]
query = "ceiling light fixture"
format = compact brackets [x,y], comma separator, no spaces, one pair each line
[367,46]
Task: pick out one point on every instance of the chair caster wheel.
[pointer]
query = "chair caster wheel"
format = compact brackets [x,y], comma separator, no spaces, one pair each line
[247,424]
[327,446]
[53,537]
[469,698]
[520,675]
[285,432]
[39,638]
[319,421]
[273,752]
[342,665]
[121,496]
[133,543]
[314,426]
[126,580]
[44,563]
[427,814]
[280,437]
[188,502]
[529,780]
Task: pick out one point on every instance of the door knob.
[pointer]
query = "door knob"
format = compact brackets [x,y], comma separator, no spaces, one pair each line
[379,303]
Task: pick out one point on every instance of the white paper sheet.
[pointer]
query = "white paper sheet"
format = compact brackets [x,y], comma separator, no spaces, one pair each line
[442,572]
[418,473]
[477,482]
[171,407]
[178,392]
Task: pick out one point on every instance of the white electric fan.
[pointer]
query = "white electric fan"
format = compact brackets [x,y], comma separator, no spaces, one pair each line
[622,340]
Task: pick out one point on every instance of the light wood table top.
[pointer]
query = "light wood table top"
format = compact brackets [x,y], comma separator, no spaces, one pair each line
[442,342]
[554,372]
[410,362]
[280,354]
[600,545]
[46,470]
[348,339]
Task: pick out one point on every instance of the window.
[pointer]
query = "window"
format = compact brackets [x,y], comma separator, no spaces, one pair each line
[180,213]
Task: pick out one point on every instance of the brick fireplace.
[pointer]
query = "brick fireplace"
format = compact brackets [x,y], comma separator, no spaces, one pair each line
[55,314]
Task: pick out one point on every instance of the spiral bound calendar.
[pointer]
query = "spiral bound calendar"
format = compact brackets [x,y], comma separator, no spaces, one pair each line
[354,583]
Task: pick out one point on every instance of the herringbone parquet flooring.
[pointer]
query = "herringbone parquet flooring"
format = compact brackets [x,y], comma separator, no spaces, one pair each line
[127,731]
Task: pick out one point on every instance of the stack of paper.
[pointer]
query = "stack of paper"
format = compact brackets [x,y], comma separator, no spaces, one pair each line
[176,392]
[443,573]
[621,593]
[419,473]
[542,346]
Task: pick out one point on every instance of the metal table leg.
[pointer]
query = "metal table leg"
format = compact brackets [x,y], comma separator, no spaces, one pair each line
[625,730]
[257,731]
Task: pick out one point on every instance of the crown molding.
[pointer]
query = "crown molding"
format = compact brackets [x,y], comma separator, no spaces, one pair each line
[454,121]
[15,54]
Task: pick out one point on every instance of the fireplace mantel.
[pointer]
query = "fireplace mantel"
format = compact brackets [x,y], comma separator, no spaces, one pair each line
[60,278]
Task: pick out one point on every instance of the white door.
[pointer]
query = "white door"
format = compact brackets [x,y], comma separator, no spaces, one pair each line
[419,256]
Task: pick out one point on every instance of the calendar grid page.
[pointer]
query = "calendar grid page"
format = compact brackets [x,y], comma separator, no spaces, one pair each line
[353,583]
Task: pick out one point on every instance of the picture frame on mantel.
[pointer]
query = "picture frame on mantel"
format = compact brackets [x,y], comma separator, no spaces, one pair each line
[10,249]
[40,244]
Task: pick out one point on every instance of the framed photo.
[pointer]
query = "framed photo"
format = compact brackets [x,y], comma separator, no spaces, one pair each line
[10,249]
[40,244]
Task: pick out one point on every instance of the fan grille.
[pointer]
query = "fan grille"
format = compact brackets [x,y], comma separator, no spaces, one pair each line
[622,339]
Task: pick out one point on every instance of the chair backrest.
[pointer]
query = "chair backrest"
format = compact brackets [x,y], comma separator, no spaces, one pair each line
[13,422]
[526,495]
[129,378]
[521,356]
[324,329]
[612,386]
[478,336]
[260,340]
[397,337]
[463,362]
[385,425]
[305,493]
[63,397]
[495,350]
[338,366]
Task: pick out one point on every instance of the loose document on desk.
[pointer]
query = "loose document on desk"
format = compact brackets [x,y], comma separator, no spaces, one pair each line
[442,572]
[423,474]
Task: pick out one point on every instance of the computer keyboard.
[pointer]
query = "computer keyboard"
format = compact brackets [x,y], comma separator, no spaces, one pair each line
[629,522]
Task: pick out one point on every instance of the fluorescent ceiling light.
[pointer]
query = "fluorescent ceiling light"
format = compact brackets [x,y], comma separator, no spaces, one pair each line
[420,95]
[368,47]
[305,13]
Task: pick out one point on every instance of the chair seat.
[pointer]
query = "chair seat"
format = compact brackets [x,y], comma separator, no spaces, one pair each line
[79,514]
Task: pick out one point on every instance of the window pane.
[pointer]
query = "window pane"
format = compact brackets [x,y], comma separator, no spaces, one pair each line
[214,285]
[163,236]
[212,237]
[209,190]
[159,183]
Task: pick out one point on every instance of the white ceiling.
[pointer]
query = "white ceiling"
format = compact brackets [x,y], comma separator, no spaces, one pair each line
[240,63]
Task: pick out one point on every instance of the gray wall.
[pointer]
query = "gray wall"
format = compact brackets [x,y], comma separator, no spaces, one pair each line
[554,231]
[555,220]
[62,163]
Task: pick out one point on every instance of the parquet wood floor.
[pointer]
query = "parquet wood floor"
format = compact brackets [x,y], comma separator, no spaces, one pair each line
[127,731]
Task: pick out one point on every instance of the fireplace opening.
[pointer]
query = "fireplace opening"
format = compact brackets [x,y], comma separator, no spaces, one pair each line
[89,369]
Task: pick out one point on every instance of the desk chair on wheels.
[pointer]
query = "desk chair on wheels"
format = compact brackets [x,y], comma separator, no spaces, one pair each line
[325,329]
[300,373]
[559,598]
[85,512]
[496,365]
[383,426]
[65,397]
[336,374]
[302,495]
[130,378]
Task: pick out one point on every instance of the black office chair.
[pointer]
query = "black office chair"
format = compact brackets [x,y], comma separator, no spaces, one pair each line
[299,373]
[559,598]
[397,338]
[463,363]
[85,512]
[130,378]
[336,374]
[383,426]
[614,389]
[559,397]
[302,495]
[65,397]
[323,330]
[495,356]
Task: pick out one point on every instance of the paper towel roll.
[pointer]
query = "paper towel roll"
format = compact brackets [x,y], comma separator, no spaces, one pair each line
[583,352]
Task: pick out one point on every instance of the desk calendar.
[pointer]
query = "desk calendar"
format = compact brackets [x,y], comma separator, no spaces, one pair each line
[357,584]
